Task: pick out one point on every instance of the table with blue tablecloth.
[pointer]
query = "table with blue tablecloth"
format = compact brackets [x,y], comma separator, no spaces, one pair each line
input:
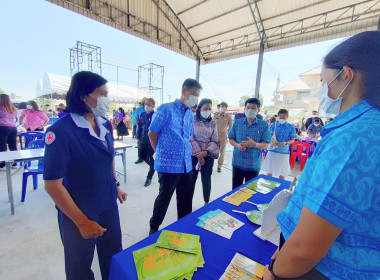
[217,250]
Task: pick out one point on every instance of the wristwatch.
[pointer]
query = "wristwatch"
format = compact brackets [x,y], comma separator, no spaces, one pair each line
[117,183]
[271,271]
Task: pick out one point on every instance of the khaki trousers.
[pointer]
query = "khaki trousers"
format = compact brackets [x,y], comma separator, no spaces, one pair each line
[222,148]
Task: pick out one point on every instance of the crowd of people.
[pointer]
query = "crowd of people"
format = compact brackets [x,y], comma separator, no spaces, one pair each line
[332,216]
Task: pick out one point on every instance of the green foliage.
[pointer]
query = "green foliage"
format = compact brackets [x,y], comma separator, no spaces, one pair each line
[245,97]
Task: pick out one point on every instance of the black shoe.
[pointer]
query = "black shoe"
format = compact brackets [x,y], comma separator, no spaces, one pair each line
[152,231]
[138,161]
[147,182]
[219,170]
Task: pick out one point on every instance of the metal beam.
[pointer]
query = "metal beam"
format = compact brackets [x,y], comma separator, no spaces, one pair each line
[192,7]
[198,68]
[259,70]
[258,21]
[378,25]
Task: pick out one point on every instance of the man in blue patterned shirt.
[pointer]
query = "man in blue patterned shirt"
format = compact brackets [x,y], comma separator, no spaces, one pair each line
[249,136]
[169,133]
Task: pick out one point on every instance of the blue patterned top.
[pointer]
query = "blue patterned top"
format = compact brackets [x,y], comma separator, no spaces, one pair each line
[138,113]
[341,184]
[174,124]
[250,159]
[283,133]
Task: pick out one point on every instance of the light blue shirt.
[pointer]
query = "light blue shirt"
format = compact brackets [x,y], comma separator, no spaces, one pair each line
[138,112]
[250,159]
[341,184]
[283,133]
[174,124]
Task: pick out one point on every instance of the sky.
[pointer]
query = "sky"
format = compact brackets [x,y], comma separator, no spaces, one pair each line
[36,37]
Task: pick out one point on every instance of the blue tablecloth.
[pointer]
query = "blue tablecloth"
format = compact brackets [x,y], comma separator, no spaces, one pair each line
[217,251]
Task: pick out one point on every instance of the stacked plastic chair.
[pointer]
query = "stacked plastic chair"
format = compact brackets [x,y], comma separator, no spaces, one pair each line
[27,137]
[299,149]
[29,169]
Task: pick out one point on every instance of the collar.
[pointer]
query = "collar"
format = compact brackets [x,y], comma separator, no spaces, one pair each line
[351,114]
[179,105]
[81,122]
[246,121]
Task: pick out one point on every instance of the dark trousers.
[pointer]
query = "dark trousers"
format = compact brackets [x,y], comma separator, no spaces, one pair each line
[147,155]
[240,176]
[181,183]
[8,136]
[79,252]
[134,131]
[206,171]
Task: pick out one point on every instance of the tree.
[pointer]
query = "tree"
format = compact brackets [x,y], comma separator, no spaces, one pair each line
[245,97]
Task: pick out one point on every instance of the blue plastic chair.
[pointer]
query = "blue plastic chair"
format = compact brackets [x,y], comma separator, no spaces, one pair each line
[27,137]
[30,170]
[312,144]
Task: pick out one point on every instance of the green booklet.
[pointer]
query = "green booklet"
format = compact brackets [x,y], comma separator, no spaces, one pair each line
[179,241]
[262,185]
[156,263]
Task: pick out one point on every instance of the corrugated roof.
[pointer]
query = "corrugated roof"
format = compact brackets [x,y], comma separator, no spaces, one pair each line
[214,30]
[314,71]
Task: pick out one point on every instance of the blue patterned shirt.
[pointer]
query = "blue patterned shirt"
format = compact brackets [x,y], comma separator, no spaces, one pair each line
[250,159]
[283,133]
[174,124]
[341,184]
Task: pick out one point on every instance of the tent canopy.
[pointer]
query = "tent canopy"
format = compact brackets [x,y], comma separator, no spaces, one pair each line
[215,30]
[58,85]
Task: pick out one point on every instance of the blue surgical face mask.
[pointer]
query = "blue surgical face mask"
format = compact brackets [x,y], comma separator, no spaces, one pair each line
[102,106]
[250,113]
[327,104]
[191,101]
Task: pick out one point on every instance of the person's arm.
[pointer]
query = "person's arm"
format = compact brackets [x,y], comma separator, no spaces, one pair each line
[237,145]
[153,137]
[230,123]
[87,228]
[212,147]
[304,249]
[121,195]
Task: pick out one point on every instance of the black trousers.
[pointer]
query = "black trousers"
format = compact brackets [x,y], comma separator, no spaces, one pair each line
[8,136]
[181,183]
[147,155]
[206,171]
[240,176]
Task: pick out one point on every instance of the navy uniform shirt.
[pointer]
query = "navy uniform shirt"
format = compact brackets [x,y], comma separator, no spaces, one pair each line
[84,160]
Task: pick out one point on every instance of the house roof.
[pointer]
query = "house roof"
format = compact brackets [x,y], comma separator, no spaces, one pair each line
[294,85]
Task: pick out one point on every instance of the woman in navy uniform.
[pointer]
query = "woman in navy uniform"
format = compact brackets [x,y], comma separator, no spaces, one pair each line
[80,176]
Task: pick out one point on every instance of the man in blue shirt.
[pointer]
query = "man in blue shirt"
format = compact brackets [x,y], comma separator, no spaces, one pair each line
[249,136]
[133,116]
[143,141]
[170,130]
[138,113]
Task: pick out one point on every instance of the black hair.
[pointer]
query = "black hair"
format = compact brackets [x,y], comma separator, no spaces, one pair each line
[254,101]
[283,111]
[317,120]
[191,83]
[362,53]
[82,84]
[200,105]
[272,119]
[223,104]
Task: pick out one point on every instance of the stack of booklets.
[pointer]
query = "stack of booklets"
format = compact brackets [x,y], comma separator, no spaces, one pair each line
[175,255]
[239,196]
[220,223]
[262,185]
[243,268]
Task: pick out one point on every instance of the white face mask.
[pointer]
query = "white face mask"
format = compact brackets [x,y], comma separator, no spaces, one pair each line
[222,110]
[148,109]
[250,113]
[331,106]
[30,107]
[205,114]
[192,101]
[102,106]
[282,121]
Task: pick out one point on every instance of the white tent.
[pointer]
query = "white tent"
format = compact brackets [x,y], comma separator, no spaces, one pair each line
[53,84]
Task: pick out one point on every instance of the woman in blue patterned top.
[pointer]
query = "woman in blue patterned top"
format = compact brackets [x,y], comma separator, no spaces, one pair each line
[332,222]
[276,162]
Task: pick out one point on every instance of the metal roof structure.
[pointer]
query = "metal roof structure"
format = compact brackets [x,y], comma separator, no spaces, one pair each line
[216,30]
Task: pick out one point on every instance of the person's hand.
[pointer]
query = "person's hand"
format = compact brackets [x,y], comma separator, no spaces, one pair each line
[274,142]
[267,275]
[241,147]
[121,195]
[282,143]
[249,143]
[91,229]
[138,142]
[202,154]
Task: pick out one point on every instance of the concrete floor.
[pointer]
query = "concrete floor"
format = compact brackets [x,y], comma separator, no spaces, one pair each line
[30,246]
